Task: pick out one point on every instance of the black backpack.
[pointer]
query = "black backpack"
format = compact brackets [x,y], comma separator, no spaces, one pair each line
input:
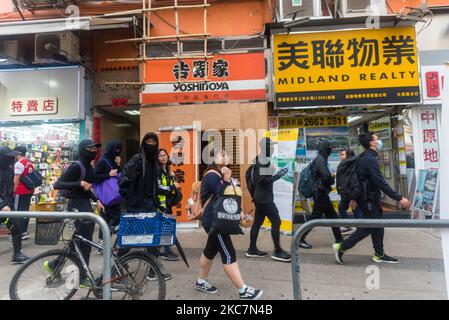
[249,177]
[348,183]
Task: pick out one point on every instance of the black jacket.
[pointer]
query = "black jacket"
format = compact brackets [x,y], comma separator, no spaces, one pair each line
[7,181]
[264,178]
[369,174]
[71,178]
[321,174]
[107,162]
[131,182]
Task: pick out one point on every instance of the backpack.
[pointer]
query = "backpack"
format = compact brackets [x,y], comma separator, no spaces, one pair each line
[249,177]
[306,181]
[64,192]
[348,182]
[195,208]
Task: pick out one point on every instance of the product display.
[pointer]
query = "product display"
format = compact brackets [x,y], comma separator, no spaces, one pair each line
[50,147]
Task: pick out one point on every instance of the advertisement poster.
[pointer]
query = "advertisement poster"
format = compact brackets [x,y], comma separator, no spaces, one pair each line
[425,200]
[350,67]
[181,152]
[284,157]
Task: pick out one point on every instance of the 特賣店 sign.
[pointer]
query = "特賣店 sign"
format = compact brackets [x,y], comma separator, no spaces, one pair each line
[33,106]
[376,66]
[229,77]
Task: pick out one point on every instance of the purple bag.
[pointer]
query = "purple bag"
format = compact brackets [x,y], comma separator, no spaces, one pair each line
[108,191]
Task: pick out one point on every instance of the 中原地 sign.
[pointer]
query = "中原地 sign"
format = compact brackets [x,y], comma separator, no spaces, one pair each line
[375,66]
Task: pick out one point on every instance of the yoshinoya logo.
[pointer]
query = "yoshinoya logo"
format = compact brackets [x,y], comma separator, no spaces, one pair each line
[201,86]
[230,205]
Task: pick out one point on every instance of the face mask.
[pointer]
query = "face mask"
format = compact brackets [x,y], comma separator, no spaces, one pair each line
[88,155]
[150,150]
[379,145]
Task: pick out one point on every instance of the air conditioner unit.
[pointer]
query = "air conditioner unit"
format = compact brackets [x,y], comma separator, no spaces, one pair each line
[10,49]
[62,47]
[303,8]
[362,8]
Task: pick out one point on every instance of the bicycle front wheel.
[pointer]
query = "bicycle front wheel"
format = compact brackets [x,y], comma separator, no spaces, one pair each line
[141,278]
[52,275]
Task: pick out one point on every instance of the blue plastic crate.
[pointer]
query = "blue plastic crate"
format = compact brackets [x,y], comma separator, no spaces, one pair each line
[146,230]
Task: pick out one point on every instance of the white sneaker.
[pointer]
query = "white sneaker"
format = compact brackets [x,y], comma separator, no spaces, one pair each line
[251,294]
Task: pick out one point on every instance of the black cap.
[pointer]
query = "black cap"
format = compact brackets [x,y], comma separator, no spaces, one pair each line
[5,151]
[88,143]
[21,149]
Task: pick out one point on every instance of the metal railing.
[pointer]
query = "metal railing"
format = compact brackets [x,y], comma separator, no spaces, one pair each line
[77,215]
[364,223]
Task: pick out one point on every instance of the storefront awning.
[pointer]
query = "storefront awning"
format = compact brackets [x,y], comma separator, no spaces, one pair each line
[59,25]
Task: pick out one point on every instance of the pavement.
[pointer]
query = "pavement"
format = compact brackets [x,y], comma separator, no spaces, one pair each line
[420,274]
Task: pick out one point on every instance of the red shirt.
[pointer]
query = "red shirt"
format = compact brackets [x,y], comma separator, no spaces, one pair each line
[23,167]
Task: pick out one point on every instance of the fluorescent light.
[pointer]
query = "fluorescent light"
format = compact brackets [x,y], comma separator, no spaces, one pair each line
[133,112]
[352,119]
[122,125]
[3,60]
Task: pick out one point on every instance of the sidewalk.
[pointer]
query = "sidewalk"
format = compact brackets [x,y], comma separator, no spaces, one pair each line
[420,275]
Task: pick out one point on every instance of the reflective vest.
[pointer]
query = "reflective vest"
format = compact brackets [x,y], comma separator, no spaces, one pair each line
[164,182]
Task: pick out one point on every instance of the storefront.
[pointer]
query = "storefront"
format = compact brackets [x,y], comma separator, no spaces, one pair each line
[44,109]
[231,101]
[334,85]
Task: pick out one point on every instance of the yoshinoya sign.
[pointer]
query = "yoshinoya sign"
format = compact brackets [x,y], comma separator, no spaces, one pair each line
[376,66]
[33,106]
[229,77]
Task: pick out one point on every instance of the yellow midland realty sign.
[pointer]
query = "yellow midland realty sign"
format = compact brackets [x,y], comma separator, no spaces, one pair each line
[375,66]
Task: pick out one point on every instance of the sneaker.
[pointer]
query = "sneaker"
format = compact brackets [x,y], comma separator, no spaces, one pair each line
[19,258]
[281,256]
[255,253]
[338,252]
[170,256]
[86,284]
[346,231]
[385,259]
[304,245]
[152,276]
[206,287]
[25,236]
[251,293]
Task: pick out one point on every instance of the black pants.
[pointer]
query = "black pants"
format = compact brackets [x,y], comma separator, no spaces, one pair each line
[22,203]
[322,205]
[220,243]
[112,217]
[14,226]
[372,211]
[271,212]
[84,228]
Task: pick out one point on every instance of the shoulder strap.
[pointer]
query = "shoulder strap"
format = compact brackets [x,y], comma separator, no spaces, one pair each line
[109,164]
[83,170]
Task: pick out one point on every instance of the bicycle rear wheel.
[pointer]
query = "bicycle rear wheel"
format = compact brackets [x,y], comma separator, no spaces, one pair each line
[52,275]
[141,278]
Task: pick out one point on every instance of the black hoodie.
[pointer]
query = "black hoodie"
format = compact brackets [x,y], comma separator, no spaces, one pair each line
[322,175]
[71,178]
[138,183]
[107,161]
[7,179]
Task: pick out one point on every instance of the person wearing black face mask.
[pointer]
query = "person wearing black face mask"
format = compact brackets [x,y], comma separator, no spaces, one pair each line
[7,202]
[77,179]
[322,187]
[264,178]
[138,182]
[106,168]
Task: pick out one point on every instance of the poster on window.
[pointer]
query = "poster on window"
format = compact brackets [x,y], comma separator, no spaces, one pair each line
[425,199]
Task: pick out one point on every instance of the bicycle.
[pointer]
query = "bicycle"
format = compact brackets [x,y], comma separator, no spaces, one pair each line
[57,274]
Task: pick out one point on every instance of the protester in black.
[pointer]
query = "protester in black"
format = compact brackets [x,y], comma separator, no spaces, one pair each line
[80,192]
[371,178]
[138,183]
[264,178]
[7,196]
[106,168]
[216,178]
[323,181]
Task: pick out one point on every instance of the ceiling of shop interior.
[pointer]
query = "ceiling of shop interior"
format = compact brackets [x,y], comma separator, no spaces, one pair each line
[126,118]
